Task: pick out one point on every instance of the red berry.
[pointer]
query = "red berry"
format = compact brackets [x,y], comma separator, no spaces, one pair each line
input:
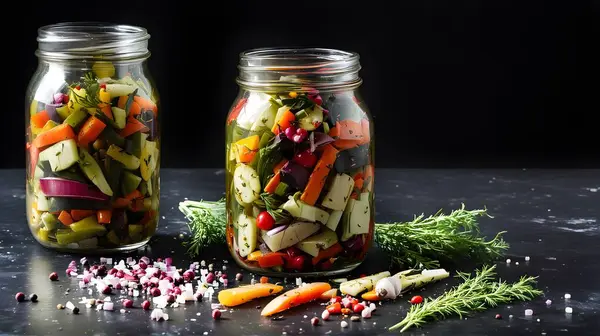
[210,277]
[107,290]
[357,308]
[146,305]
[314,321]
[103,86]
[265,221]
[189,275]
[416,299]
[20,297]
[170,298]
[296,263]
[53,276]
[177,291]
[498,317]
[78,87]
[293,251]
[317,100]
[337,299]
[155,291]
[127,303]
[216,314]
[305,159]
[300,135]
[290,132]
[142,265]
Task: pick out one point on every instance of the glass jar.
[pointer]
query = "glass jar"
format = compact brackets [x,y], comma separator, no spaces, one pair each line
[299,158]
[93,139]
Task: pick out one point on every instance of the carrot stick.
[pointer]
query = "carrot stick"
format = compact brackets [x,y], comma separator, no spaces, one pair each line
[317,178]
[90,131]
[54,135]
[330,252]
[284,122]
[121,202]
[133,125]
[34,154]
[273,183]
[295,297]
[65,218]
[236,296]
[280,165]
[104,216]
[122,102]
[271,259]
[146,104]
[105,108]
[40,119]
[78,215]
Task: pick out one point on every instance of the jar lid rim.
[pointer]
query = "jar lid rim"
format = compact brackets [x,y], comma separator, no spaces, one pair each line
[85,30]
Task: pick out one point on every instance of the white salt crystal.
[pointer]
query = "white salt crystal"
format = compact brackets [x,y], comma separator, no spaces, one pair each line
[508,261]
[87,305]
[180,299]
[90,291]
[100,306]
[136,267]
[372,307]
[253,281]
[70,305]
[108,305]
[151,270]
[298,282]
[528,312]
[109,261]
[567,296]
[198,314]
[527,258]
[224,268]
[189,287]
[517,263]
[122,311]
[366,313]
[203,272]
[203,263]
[136,293]
[156,314]
[568,310]
[548,302]
[107,299]
[82,284]
[344,324]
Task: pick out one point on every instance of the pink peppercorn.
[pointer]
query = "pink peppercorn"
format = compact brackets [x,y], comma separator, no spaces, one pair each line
[216,314]
[107,290]
[210,277]
[146,305]
[177,291]
[20,297]
[188,275]
[113,271]
[127,303]
[53,276]
[314,321]
[155,291]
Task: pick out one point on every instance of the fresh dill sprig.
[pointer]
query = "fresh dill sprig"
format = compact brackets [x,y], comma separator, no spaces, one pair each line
[475,293]
[207,221]
[425,242]
[90,84]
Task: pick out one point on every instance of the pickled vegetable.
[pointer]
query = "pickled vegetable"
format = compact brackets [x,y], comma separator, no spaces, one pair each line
[93,172]
[302,159]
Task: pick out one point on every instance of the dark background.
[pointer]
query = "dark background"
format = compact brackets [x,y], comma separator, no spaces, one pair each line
[450,83]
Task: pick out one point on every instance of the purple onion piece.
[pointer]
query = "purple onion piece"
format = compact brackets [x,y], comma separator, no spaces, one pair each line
[52,114]
[353,244]
[58,98]
[294,175]
[322,139]
[276,230]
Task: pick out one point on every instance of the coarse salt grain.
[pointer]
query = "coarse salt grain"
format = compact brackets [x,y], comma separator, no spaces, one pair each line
[538,320]
[567,296]
[508,261]
[366,313]
[568,310]
[372,307]
[344,324]
[548,302]
[527,258]
[517,263]
[298,282]
[108,305]
[528,312]
[122,311]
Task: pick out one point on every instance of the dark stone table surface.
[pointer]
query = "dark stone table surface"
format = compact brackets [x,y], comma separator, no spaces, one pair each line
[550,215]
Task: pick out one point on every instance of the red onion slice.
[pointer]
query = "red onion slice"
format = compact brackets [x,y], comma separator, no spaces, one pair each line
[276,230]
[59,187]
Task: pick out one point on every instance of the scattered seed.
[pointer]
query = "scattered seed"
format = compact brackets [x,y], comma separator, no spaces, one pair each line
[344,324]
[567,296]
[568,310]
[216,314]
[20,297]
[314,321]
[33,297]
[355,318]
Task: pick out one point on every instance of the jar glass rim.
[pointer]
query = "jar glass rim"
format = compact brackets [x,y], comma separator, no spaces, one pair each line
[89,39]
[302,67]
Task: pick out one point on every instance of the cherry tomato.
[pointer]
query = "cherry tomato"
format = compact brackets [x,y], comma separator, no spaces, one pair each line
[335,308]
[265,221]
[357,308]
[296,263]
[293,251]
[416,299]
[305,159]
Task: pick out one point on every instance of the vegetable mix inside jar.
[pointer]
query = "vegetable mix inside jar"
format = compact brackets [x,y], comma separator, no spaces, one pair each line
[93,139]
[299,158]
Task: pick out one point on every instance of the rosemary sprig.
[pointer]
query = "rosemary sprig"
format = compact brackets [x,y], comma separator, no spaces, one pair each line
[207,221]
[424,242]
[475,293]
[91,86]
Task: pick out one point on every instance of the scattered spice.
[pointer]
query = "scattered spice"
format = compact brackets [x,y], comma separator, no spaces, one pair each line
[568,310]
[53,276]
[314,321]
[498,317]
[20,297]
[355,318]
[216,314]
[33,297]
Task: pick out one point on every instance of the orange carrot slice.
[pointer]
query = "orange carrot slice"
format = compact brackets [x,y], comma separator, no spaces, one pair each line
[122,102]
[284,122]
[40,119]
[104,216]
[273,183]
[370,296]
[78,215]
[271,259]
[65,218]
[145,104]
[105,108]
[247,148]
[236,296]
[318,177]
[328,295]
[280,165]
[54,135]
[133,125]
[295,297]
[330,252]
[90,131]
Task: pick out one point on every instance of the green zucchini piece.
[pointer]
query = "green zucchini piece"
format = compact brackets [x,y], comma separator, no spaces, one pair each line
[50,221]
[111,137]
[120,117]
[63,203]
[92,170]
[61,155]
[129,161]
[76,118]
[66,237]
[114,170]
[130,182]
[135,143]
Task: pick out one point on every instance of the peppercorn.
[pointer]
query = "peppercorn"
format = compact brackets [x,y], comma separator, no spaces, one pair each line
[33,297]
[216,314]
[20,297]
[53,276]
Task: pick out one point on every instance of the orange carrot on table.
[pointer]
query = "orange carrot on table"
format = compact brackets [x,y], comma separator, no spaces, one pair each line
[317,178]
[40,119]
[295,297]
[78,215]
[133,125]
[271,259]
[236,296]
[330,252]
[54,135]
[104,216]
[284,122]
[65,218]
[90,131]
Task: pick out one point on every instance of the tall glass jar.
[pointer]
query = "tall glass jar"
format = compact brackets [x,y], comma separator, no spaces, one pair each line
[93,139]
[299,158]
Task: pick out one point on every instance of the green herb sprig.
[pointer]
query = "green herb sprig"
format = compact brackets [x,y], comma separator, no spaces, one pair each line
[207,222]
[475,293]
[427,241]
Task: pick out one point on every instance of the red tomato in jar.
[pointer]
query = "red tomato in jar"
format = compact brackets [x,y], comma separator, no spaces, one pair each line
[265,221]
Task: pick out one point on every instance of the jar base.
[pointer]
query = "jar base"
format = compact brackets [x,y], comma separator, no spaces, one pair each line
[98,250]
